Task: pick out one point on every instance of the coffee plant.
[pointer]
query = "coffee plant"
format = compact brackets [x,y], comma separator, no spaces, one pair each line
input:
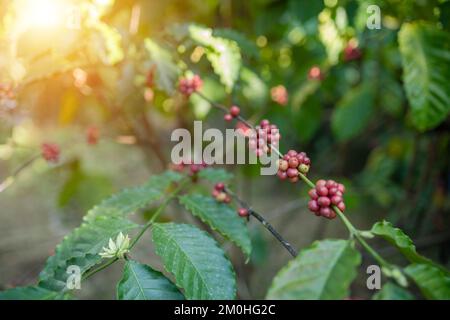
[390,81]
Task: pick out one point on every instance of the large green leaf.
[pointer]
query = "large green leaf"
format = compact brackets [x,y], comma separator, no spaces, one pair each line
[81,248]
[129,200]
[166,70]
[140,282]
[425,54]
[433,282]
[391,291]
[30,293]
[220,217]
[195,259]
[323,271]
[224,54]
[353,113]
[396,237]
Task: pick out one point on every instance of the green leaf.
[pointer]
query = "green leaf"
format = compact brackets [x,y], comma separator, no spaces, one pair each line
[219,217]
[425,54]
[399,239]
[132,199]
[81,248]
[195,259]
[224,54]
[30,293]
[353,113]
[433,282]
[308,118]
[247,46]
[166,70]
[215,175]
[323,271]
[140,282]
[391,291]
[253,88]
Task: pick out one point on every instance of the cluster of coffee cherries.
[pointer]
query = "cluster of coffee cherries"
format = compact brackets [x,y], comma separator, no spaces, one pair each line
[326,194]
[194,168]
[219,193]
[263,135]
[279,95]
[188,86]
[50,152]
[234,113]
[292,164]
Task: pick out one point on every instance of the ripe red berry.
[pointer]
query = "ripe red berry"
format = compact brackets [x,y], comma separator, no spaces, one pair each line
[291,172]
[282,175]
[50,152]
[315,73]
[279,95]
[228,117]
[313,206]
[235,111]
[220,186]
[243,212]
[92,135]
[293,162]
[352,52]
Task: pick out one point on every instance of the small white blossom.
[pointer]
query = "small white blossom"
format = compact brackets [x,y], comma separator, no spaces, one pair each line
[116,249]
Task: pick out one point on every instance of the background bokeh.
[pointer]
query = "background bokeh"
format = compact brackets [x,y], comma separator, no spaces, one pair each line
[67,66]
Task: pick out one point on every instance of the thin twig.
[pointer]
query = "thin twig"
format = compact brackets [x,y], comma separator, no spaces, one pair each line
[9,180]
[265,223]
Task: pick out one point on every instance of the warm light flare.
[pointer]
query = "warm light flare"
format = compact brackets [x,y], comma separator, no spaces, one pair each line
[42,13]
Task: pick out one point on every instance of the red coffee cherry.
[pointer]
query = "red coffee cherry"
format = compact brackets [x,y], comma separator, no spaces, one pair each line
[325,195]
[228,117]
[352,52]
[220,186]
[279,95]
[243,212]
[50,152]
[315,74]
[92,135]
[235,111]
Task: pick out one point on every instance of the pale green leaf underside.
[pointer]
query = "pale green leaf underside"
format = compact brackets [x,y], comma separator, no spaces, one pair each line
[425,51]
[197,262]
[224,54]
[167,70]
[81,248]
[220,217]
[433,282]
[30,293]
[321,272]
[141,282]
